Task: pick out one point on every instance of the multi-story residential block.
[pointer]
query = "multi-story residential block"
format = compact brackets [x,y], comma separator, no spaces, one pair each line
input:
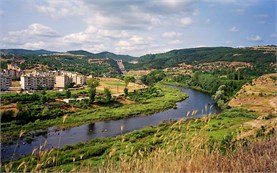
[78,79]
[61,81]
[14,74]
[5,82]
[37,81]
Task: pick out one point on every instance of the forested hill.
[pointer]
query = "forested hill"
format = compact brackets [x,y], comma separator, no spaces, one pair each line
[255,55]
[72,52]
[25,52]
[103,55]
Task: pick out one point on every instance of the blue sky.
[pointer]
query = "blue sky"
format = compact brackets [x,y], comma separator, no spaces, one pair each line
[136,27]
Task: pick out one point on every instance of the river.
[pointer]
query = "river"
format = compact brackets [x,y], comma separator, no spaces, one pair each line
[198,102]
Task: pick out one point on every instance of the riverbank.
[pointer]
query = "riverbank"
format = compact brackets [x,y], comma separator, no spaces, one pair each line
[216,130]
[10,131]
[186,86]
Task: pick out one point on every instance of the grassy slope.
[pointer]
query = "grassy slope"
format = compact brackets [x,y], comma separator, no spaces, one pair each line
[259,96]
[171,96]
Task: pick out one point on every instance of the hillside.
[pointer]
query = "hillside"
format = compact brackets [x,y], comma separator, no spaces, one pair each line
[72,52]
[80,52]
[102,55]
[259,96]
[25,52]
[205,54]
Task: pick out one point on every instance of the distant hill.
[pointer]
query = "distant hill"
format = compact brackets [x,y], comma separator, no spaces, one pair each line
[25,52]
[80,52]
[205,54]
[102,55]
[74,52]
[114,56]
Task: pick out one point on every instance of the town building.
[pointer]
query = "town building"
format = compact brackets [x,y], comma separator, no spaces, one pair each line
[61,81]
[13,70]
[79,79]
[14,74]
[37,81]
[5,82]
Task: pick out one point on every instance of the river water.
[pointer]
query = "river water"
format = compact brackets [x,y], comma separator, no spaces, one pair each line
[198,102]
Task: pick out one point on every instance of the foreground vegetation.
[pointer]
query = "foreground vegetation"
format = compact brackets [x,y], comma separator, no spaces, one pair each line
[215,137]
[160,98]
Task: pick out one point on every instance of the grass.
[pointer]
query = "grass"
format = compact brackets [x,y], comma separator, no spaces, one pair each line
[180,146]
[152,105]
[117,86]
[260,96]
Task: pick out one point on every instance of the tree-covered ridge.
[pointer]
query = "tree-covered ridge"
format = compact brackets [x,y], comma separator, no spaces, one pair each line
[102,55]
[68,63]
[25,52]
[205,54]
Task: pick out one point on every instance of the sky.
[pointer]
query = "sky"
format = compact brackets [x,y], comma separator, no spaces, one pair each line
[136,27]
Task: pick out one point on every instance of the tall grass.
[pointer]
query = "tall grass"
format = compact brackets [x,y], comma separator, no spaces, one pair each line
[198,155]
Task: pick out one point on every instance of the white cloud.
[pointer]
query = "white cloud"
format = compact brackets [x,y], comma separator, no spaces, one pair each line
[61,8]
[254,38]
[123,43]
[136,39]
[207,21]
[34,33]
[176,41]
[186,21]
[233,29]
[35,29]
[34,45]
[228,42]
[171,34]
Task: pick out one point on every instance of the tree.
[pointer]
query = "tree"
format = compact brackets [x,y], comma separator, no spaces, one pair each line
[195,77]
[127,81]
[7,115]
[108,95]
[69,85]
[126,92]
[153,77]
[92,94]
[93,83]
[43,99]
[67,94]
[219,96]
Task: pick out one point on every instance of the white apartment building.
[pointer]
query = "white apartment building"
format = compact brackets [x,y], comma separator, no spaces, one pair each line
[79,79]
[61,81]
[5,82]
[37,81]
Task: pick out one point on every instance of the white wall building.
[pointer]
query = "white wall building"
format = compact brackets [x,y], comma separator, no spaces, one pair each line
[37,81]
[61,81]
[79,79]
[5,82]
